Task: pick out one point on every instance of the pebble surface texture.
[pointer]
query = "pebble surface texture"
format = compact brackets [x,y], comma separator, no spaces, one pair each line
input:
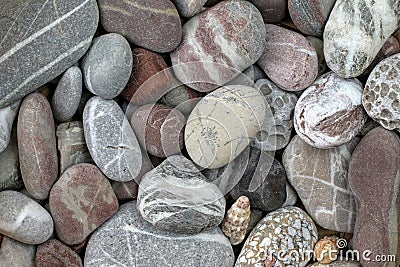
[16,254]
[7,116]
[374,176]
[329,113]
[10,177]
[237,220]
[181,97]
[222,124]
[107,65]
[24,220]
[111,140]
[80,201]
[319,176]
[175,196]
[154,25]
[355,32]
[54,253]
[220,42]
[289,59]
[131,241]
[318,45]
[381,95]
[189,8]
[271,10]
[37,145]
[286,230]
[47,36]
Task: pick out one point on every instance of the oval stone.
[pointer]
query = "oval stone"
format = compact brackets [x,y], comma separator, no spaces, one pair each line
[55,253]
[7,116]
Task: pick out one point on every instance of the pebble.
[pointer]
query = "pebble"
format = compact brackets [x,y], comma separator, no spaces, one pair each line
[16,254]
[7,116]
[237,220]
[10,177]
[37,145]
[272,11]
[287,231]
[381,95]
[374,178]
[46,42]
[176,197]
[55,253]
[111,140]
[329,113]
[318,45]
[154,25]
[218,44]
[222,124]
[289,59]
[24,220]
[80,201]
[326,249]
[131,241]
[67,96]
[189,8]
[181,97]
[291,196]
[355,32]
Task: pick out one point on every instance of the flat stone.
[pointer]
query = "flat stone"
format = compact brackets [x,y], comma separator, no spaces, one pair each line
[37,145]
[111,140]
[319,176]
[272,11]
[374,177]
[10,177]
[14,253]
[329,113]
[189,8]
[7,116]
[131,241]
[80,201]
[24,220]
[107,65]
[355,32]
[154,25]
[181,97]
[205,60]
[47,37]
[176,197]
[55,253]
[222,125]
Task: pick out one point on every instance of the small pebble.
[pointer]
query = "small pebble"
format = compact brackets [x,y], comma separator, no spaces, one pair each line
[7,116]
[237,220]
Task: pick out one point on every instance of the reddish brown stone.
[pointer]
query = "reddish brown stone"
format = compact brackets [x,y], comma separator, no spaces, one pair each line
[54,253]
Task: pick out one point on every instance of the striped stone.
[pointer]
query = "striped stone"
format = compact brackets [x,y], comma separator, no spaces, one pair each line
[39,40]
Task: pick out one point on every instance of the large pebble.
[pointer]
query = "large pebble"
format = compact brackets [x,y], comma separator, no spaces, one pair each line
[10,177]
[189,8]
[37,146]
[80,201]
[22,219]
[230,34]
[54,253]
[107,65]
[47,37]
[111,140]
[355,32]
[222,124]
[289,59]
[7,116]
[176,197]
[131,241]
[272,11]
[16,254]
[329,113]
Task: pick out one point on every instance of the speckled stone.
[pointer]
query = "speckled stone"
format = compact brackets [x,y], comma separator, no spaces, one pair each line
[320,178]
[339,263]
[381,95]
[54,253]
[329,113]
[289,60]
[37,145]
[220,43]
[236,220]
[355,32]
[374,177]
[154,25]
[189,8]
[24,220]
[7,116]
[181,97]
[47,37]
[111,140]
[10,177]
[176,197]
[67,96]
[222,125]
[286,230]
[132,241]
[318,45]
[80,201]
[272,11]
[14,253]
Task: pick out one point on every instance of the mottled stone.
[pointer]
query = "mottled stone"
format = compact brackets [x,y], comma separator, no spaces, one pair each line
[355,32]
[289,59]
[7,116]
[218,44]
[329,113]
[67,96]
[222,125]
[131,241]
[37,145]
[237,220]
[154,25]
[339,263]
[272,11]
[181,97]
[318,45]
[287,231]
[10,177]
[374,177]
[189,8]
[326,249]
[111,140]
[14,253]
[40,39]
[320,178]
[24,220]
[176,197]
[107,65]
[54,253]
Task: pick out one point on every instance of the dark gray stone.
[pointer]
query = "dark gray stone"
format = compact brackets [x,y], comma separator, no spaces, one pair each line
[10,177]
